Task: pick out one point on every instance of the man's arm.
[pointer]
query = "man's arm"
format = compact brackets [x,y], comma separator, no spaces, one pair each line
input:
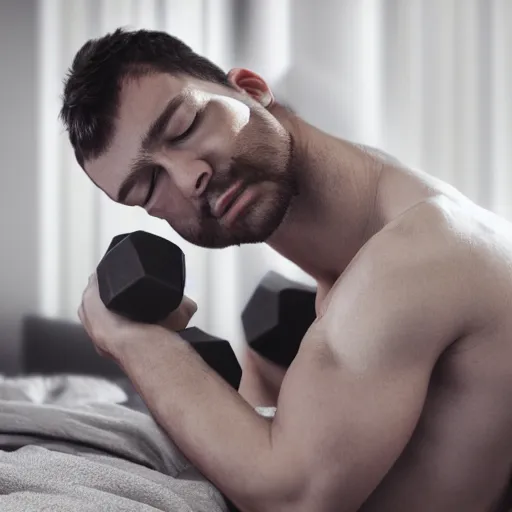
[353,396]
[261,379]
[348,404]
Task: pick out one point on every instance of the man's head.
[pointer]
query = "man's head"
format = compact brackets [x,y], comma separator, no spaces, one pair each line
[155,125]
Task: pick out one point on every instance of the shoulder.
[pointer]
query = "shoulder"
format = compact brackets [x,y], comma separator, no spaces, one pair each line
[405,289]
[423,242]
[463,253]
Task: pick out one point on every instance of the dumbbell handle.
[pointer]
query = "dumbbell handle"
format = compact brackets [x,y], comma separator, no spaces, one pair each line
[216,352]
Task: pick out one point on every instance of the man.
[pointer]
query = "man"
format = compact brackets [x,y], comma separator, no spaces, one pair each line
[398,399]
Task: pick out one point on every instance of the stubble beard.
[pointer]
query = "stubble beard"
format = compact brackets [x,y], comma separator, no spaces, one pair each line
[263,218]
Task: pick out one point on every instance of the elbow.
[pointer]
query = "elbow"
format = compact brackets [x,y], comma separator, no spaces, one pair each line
[293,490]
[306,497]
[296,501]
[279,488]
[287,478]
[267,503]
[270,498]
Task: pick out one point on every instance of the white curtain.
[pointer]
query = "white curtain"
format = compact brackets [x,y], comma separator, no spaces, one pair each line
[427,80]
[77,221]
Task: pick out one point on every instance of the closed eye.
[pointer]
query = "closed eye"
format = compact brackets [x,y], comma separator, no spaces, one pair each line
[152,184]
[193,125]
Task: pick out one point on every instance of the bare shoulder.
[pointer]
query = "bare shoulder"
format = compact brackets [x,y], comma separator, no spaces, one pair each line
[418,285]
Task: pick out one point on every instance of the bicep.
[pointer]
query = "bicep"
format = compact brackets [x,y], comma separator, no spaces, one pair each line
[342,428]
[350,401]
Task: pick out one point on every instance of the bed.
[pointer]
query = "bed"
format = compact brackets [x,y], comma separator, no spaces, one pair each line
[75,436]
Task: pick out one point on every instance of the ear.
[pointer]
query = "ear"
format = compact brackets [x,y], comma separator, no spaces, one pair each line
[247,81]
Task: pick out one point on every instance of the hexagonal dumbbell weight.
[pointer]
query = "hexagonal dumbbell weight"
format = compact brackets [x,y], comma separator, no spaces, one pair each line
[142,277]
[277,316]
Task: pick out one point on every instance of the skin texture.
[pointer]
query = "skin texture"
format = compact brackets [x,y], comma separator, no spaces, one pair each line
[399,396]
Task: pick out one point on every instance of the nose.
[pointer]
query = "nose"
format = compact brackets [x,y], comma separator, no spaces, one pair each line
[192,178]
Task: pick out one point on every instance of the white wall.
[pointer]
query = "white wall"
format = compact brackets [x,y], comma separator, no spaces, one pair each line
[18,153]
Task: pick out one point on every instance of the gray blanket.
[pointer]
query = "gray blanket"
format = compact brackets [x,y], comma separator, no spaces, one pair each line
[67,444]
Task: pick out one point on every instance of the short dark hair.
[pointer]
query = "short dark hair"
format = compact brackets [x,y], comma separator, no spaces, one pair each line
[93,82]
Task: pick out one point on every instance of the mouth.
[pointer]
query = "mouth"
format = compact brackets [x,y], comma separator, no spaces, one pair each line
[241,203]
[228,199]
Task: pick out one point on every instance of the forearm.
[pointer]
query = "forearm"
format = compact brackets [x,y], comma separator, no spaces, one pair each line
[214,427]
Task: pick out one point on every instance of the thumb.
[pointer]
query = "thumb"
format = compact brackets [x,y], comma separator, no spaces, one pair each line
[180,317]
[189,306]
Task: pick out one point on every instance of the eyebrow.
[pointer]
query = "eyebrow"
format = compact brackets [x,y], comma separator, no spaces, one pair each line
[150,139]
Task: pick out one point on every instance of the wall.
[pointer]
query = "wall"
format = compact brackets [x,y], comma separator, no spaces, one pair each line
[18,154]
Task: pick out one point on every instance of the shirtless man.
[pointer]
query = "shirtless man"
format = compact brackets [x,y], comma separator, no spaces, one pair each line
[399,398]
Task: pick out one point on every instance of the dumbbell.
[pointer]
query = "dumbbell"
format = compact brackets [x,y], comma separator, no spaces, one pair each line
[277,316]
[142,277]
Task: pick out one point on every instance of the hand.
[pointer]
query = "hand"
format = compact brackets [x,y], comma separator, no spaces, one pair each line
[110,331]
[180,317]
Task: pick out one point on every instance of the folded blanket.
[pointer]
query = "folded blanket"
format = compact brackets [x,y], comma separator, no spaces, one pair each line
[67,444]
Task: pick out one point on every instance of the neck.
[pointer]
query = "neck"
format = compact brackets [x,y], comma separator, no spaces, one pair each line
[332,215]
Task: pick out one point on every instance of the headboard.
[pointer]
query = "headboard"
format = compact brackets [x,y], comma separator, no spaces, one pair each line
[52,346]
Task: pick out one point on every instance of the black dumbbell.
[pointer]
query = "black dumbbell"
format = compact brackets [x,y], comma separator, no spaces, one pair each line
[142,277]
[277,316]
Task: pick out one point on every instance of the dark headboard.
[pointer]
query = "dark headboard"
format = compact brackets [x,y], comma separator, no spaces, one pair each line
[58,346]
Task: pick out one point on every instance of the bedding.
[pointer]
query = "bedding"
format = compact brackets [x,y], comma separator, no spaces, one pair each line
[70,443]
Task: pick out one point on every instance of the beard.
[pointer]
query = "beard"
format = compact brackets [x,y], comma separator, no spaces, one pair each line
[274,173]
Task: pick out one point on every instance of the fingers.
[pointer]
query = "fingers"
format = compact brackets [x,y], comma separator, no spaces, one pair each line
[176,321]
[80,313]
[83,317]
[81,309]
[179,318]
[189,306]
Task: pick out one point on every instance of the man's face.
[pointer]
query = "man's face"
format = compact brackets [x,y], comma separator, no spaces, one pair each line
[212,162]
